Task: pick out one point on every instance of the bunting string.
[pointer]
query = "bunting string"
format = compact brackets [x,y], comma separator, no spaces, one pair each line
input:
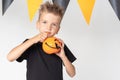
[86,7]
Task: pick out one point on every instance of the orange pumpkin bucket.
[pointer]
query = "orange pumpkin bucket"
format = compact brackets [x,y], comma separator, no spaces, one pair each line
[51,45]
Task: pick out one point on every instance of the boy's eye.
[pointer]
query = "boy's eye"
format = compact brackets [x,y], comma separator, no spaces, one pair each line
[44,22]
[54,24]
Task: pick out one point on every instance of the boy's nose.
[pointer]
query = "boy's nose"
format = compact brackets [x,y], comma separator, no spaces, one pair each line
[49,27]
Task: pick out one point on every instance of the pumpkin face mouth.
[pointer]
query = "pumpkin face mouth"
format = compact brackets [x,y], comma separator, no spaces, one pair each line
[56,46]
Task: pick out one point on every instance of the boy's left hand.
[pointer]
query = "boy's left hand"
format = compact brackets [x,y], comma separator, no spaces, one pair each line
[61,54]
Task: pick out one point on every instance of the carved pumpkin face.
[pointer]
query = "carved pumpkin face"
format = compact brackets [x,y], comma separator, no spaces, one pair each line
[51,45]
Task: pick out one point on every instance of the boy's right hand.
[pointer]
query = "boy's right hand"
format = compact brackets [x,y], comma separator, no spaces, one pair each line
[40,37]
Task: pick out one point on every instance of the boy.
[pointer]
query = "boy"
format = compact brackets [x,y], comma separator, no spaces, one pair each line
[42,66]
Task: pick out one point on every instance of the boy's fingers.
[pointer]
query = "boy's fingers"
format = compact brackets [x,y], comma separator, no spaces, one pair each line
[47,33]
[62,43]
[42,37]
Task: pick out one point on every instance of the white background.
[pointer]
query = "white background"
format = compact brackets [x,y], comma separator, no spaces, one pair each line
[96,46]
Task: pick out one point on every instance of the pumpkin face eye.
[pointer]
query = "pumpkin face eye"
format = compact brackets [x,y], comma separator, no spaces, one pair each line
[56,43]
[57,46]
[51,45]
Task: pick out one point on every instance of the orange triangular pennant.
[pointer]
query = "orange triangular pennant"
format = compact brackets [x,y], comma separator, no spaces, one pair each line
[33,6]
[86,7]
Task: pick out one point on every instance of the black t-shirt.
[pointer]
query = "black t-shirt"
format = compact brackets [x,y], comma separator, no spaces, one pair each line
[42,66]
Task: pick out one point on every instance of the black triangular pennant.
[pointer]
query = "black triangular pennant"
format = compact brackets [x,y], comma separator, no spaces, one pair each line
[5,5]
[116,6]
[62,3]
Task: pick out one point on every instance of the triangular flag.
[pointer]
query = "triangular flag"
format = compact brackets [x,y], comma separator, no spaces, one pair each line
[116,6]
[62,3]
[86,7]
[33,6]
[5,5]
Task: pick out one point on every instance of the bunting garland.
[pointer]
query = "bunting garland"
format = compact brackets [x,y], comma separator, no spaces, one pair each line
[86,7]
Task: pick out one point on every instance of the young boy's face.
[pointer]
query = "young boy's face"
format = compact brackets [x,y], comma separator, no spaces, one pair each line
[49,23]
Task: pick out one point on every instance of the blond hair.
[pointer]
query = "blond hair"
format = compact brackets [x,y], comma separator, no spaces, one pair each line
[50,8]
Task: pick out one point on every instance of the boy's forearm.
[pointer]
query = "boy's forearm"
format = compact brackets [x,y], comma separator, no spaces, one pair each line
[17,51]
[70,69]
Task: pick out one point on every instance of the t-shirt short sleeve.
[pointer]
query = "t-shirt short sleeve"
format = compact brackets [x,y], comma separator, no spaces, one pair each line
[24,55]
[69,54]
